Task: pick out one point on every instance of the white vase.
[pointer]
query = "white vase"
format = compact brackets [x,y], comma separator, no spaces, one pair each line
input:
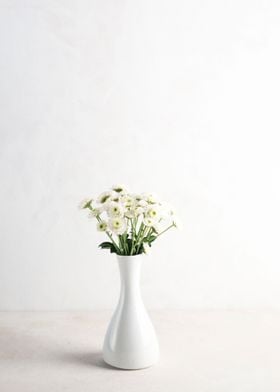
[130,341]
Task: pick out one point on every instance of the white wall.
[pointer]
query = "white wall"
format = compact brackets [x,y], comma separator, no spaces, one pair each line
[177,97]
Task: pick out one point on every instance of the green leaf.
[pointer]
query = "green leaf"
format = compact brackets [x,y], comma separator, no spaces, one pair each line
[152,238]
[108,245]
[105,245]
[149,239]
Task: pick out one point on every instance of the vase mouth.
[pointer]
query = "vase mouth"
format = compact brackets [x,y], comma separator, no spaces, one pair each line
[130,256]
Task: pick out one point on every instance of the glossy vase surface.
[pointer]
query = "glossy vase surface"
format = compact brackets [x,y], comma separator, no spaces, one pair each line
[130,341]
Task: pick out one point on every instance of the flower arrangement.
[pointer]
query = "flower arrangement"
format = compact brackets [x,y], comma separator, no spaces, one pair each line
[132,222]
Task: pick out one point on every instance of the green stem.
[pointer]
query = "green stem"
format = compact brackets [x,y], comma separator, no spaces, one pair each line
[132,237]
[150,232]
[169,227]
[141,239]
[138,236]
[142,226]
[120,243]
[115,244]
[125,245]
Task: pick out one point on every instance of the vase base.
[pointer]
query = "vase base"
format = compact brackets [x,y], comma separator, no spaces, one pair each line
[129,366]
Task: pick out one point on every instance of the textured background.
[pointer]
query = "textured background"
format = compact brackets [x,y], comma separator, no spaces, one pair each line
[181,98]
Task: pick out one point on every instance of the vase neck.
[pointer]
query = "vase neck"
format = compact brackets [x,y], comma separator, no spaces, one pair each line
[130,272]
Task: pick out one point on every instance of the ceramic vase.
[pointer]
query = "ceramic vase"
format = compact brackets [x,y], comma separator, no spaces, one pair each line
[130,341]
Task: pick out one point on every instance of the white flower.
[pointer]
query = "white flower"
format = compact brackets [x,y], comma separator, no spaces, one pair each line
[137,196]
[102,226]
[144,196]
[139,211]
[115,198]
[117,225]
[127,212]
[96,211]
[104,197]
[119,189]
[157,227]
[85,203]
[115,209]
[153,213]
[127,200]
[166,210]
[142,203]
[150,198]
[172,212]
[130,213]
[149,222]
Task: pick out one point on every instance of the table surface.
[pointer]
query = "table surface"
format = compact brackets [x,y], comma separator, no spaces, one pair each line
[200,351]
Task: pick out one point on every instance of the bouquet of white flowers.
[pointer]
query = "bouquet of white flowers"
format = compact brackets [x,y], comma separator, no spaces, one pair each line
[131,221]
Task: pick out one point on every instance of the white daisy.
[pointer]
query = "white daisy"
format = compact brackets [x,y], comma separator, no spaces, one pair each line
[139,211]
[127,200]
[142,203]
[166,210]
[85,203]
[130,213]
[104,197]
[102,226]
[153,213]
[148,221]
[150,198]
[157,227]
[117,225]
[121,189]
[115,209]
[96,210]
